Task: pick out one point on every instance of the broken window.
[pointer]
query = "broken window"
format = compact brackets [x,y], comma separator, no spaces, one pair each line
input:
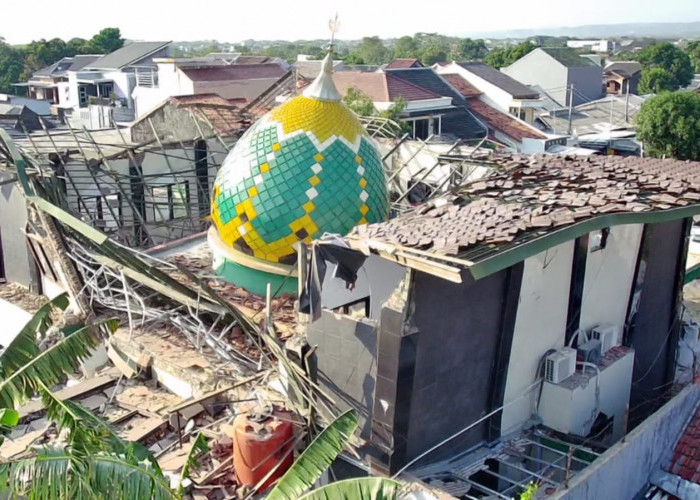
[170,201]
[103,210]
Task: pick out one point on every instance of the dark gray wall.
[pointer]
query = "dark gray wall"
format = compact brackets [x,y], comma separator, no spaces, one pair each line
[588,82]
[346,357]
[653,320]
[459,329]
[18,263]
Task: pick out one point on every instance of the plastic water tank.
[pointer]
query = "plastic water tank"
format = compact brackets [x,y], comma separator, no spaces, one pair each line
[261,439]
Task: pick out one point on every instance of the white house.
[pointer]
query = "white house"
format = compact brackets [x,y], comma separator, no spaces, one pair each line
[100,92]
[498,89]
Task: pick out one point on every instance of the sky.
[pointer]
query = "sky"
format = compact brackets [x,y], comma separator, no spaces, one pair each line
[237,20]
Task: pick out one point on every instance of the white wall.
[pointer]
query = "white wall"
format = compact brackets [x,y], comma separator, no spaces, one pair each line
[499,97]
[540,324]
[609,275]
[171,82]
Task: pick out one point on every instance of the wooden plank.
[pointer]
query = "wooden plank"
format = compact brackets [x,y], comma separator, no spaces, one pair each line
[144,429]
[69,393]
[118,361]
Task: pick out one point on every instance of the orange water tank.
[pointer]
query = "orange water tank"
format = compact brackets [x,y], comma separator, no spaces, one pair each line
[261,439]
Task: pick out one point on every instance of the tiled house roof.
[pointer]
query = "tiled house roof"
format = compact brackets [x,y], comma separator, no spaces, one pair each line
[501,80]
[404,63]
[686,455]
[234,72]
[461,85]
[529,196]
[503,122]
[381,87]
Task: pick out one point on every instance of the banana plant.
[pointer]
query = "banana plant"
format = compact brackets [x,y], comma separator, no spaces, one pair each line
[93,463]
[317,457]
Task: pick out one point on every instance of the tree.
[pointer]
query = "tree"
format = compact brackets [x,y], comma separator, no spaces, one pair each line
[669,125]
[405,47]
[654,81]
[94,462]
[506,56]
[11,65]
[106,41]
[670,58]
[693,51]
[434,53]
[471,50]
[372,51]
[359,102]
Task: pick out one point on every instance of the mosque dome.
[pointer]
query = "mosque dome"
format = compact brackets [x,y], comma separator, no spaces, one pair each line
[305,168]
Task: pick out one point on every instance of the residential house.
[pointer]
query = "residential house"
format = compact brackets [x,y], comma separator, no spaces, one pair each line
[307,69]
[100,92]
[17,120]
[51,83]
[497,88]
[621,77]
[561,72]
[458,345]
[241,83]
[457,121]
[504,128]
[404,63]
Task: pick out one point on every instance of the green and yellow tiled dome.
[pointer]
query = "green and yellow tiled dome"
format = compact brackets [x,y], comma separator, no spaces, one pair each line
[305,168]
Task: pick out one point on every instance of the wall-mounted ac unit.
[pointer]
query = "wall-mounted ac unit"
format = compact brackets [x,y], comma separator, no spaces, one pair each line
[609,336]
[560,365]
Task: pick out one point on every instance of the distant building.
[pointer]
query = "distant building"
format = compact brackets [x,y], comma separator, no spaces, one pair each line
[557,71]
[621,77]
[592,45]
[182,77]
[51,83]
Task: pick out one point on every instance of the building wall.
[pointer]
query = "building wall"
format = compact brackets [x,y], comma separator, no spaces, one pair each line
[587,82]
[18,263]
[538,68]
[171,82]
[609,277]
[458,329]
[540,325]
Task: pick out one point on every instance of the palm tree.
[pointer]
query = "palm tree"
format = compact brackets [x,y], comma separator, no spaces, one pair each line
[93,463]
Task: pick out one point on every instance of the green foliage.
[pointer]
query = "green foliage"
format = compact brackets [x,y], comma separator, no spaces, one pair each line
[18,63]
[693,51]
[530,491]
[371,50]
[371,488]
[106,41]
[654,81]
[434,54]
[669,125]
[471,50]
[670,58]
[359,102]
[506,56]
[315,458]
[198,447]
[406,47]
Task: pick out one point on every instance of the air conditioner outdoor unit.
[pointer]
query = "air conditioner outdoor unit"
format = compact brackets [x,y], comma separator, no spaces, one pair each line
[560,365]
[609,336]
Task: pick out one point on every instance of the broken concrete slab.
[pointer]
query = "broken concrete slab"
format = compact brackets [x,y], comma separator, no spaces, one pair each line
[121,364]
[93,402]
[84,387]
[184,415]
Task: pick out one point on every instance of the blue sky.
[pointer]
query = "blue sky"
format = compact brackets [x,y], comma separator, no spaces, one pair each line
[235,20]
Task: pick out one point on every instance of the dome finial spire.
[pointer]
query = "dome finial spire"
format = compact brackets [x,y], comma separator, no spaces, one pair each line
[323,88]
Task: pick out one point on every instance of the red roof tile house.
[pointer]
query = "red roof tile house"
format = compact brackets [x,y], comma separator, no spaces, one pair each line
[432,106]
[176,77]
[404,63]
[504,128]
